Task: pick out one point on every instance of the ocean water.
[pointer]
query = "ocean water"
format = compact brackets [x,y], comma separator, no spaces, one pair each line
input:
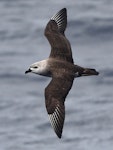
[24,124]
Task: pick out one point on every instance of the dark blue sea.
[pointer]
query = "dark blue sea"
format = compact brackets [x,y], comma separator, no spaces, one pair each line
[24,123]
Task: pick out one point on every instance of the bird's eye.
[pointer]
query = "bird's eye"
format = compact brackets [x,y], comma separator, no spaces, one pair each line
[35,67]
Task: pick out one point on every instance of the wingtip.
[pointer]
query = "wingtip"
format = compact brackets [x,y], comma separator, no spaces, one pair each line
[61,19]
[64,9]
[59,136]
[57,121]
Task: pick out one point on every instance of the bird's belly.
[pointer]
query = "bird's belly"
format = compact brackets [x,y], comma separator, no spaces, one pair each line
[45,73]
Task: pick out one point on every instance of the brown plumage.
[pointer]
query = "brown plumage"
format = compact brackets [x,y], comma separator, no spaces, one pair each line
[65,72]
[61,68]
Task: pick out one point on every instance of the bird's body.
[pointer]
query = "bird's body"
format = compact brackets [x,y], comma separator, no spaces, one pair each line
[61,68]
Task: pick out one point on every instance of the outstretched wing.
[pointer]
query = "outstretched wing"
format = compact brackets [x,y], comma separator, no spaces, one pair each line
[55,94]
[60,46]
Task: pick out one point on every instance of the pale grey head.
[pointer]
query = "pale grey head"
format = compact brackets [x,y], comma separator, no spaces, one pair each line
[40,68]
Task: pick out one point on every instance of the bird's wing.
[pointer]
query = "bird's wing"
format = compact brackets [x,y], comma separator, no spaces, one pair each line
[61,20]
[55,94]
[60,46]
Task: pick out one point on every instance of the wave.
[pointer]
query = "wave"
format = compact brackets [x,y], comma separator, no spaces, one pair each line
[92,27]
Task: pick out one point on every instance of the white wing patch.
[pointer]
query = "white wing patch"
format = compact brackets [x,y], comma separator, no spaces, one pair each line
[61,19]
[57,120]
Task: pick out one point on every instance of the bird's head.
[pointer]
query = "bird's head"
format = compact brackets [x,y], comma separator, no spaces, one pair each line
[34,68]
[38,68]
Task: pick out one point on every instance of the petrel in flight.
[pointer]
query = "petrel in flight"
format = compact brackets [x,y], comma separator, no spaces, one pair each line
[61,68]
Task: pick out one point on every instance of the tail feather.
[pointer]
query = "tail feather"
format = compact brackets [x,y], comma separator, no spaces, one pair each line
[85,71]
[89,72]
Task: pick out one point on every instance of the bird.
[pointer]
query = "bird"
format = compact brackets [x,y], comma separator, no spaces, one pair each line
[61,68]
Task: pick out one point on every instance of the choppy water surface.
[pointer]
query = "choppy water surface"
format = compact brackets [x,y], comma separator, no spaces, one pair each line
[24,124]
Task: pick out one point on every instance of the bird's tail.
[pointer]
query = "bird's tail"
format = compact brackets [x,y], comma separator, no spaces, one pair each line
[80,71]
